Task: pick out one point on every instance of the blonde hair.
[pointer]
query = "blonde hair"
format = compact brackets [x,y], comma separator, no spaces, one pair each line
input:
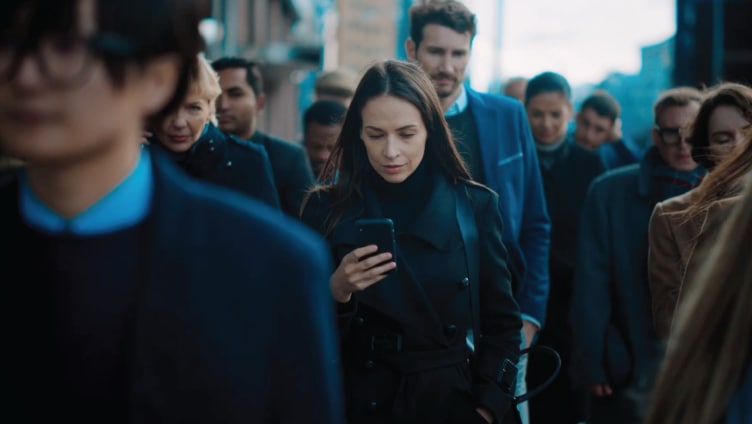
[204,82]
[710,348]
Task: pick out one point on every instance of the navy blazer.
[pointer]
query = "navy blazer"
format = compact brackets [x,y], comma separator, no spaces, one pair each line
[292,171]
[234,321]
[510,164]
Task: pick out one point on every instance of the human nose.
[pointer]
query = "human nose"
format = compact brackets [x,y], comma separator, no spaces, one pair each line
[391,149]
[220,102]
[29,71]
[179,120]
[445,64]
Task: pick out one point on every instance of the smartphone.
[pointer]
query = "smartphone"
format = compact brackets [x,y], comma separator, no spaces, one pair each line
[378,231]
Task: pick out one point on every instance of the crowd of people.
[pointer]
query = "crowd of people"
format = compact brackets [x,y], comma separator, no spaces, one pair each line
[166,261]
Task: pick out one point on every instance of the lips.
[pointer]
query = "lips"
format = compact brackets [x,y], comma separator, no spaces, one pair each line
[224,119]
[179,138]
[30,116]
[392,169]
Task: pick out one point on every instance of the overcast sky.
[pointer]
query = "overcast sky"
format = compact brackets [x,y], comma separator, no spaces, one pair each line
[582,39]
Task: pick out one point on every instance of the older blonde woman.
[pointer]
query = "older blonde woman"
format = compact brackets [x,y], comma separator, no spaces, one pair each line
[189,135]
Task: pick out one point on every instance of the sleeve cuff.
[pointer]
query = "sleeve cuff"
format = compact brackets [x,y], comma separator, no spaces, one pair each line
[530,319]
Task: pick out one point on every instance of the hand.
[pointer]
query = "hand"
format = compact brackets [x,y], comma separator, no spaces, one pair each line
[145,137]
[354,274]
[601,390]
[529,330]
[615,133]
[486,414]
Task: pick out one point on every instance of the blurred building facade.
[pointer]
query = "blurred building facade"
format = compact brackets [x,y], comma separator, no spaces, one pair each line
[713,42]
[637,92]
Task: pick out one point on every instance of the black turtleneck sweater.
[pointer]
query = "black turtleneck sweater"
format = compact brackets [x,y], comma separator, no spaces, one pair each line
[403,202]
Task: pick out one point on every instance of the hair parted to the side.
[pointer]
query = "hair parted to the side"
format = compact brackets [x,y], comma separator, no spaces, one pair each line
[709,349]
[675,97]
[451,14]
[724,94]
[348,164]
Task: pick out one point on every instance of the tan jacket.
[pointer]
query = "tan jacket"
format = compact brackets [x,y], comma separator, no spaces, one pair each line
[676,243]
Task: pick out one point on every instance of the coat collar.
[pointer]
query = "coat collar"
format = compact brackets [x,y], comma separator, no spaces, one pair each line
[439,210]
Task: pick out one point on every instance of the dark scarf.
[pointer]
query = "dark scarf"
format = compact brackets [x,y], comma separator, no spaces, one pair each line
[403,202]
[668,182]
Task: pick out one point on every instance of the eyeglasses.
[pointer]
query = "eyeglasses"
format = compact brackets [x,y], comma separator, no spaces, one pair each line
[670,136]
[63,59]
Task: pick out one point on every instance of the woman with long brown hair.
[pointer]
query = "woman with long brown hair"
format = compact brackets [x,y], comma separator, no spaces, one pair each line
[706,376]
[679,226]
[430,330]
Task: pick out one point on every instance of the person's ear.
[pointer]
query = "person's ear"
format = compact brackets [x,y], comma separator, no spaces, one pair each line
[410,49]
[260,102]
[160,79]
[656,137]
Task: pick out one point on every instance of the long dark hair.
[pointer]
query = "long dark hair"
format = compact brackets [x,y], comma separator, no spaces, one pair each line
[724,94]
[348,164]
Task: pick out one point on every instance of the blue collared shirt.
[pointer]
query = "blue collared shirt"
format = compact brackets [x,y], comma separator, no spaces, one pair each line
[126,205]
[459,105]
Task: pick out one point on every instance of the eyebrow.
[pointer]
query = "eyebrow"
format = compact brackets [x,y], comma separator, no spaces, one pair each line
[406,127]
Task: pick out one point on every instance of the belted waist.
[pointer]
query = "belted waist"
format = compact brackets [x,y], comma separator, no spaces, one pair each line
[408,362]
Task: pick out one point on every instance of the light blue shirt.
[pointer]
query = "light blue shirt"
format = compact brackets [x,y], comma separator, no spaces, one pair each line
[126,205]
[459,105]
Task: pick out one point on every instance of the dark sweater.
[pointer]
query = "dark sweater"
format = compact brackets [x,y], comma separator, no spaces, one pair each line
[466,138]
[76,304]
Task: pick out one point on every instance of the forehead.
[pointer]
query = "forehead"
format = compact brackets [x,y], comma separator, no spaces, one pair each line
[233,77]
[726,117]
[594,118]
[437,36]
[547,101]
[678,116]
[322,130]
[388,111]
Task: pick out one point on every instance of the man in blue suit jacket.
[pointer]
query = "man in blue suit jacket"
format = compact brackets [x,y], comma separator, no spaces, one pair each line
[493,135]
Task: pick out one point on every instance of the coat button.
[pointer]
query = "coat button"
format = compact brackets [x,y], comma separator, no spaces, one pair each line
[369,365]
[465,283]
[229,163]
[211,149]
[450,330]
[359,321]
[211,141]
[372,405]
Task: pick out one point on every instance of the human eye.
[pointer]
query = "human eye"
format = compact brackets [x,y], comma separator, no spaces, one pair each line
[408,135]
[721,138]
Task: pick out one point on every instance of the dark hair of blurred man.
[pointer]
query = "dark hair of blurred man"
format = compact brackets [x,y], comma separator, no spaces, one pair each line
[322,123]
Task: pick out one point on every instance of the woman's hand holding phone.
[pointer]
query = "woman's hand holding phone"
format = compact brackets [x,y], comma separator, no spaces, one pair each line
[359,270]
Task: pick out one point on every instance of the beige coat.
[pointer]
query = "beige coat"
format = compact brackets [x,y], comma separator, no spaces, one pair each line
[676,251]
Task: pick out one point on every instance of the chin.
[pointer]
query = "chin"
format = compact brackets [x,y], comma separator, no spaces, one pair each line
[394,178]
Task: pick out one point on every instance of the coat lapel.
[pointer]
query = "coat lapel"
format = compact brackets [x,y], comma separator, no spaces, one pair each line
[400,295]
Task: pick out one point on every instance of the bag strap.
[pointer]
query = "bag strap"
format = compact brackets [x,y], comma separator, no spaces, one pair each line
[471,241]
[469,231]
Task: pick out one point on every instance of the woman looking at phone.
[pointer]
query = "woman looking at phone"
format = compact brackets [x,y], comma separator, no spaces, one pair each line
[430,334]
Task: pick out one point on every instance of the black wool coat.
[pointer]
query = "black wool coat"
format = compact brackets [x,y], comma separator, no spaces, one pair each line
[404,339]
[292,171]
[225,160]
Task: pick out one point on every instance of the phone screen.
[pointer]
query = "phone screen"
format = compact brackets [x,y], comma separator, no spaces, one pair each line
[378,231]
